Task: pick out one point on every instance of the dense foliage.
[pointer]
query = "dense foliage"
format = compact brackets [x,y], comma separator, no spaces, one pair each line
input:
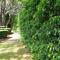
[4,31]
[40,28]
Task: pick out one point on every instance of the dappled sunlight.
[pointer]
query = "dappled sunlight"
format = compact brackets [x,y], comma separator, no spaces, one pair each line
[14,36]
[26,57]
[14,52]
[12,49]
[11,38]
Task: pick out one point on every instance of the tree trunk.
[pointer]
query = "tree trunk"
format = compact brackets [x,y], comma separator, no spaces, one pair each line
[3,12]
[0,20]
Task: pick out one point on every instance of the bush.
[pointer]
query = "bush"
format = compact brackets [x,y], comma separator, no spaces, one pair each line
[40,29]
[50,30]
[30,18]
[4,32]
[44,44]
[48,42]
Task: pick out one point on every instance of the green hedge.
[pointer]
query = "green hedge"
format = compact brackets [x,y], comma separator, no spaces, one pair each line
[48,42]
[4,32]
[40,28]
[44,44]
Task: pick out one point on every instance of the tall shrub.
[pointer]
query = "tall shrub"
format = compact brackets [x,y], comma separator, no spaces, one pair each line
[39,26]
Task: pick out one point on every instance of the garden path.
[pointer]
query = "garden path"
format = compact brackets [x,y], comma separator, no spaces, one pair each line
[11,48]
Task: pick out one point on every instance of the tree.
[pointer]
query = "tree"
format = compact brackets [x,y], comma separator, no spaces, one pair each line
[10,7]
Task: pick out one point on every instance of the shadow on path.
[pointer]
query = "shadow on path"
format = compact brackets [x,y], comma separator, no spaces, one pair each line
[13,49]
